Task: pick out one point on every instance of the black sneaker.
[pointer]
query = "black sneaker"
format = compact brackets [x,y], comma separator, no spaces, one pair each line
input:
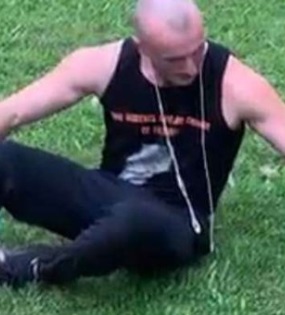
[20,266]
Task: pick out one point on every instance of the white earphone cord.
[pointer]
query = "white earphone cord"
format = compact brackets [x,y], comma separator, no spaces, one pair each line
[205,161]
[195,224]
[179,179]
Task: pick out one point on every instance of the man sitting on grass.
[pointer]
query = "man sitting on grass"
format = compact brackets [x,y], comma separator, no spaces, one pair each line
[175,108]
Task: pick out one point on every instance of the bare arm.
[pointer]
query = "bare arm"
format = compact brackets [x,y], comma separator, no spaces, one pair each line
[79,74]
[249,97]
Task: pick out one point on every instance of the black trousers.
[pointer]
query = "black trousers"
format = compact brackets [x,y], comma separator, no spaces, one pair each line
[109,224]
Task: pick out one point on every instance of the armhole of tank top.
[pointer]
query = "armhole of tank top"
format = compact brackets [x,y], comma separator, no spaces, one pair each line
[219,70]
[124,51]
[221,111]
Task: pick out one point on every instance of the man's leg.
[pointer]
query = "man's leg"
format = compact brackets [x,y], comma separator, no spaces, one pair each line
[141,235]
[114,224]
[52,192]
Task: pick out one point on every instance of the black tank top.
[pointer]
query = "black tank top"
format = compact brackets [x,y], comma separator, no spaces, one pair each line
[135,147]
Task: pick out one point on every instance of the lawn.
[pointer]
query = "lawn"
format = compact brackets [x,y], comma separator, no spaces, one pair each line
[246,274]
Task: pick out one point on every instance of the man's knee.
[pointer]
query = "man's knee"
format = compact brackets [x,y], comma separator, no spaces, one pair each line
[10,152]
[7,170]
[8,148]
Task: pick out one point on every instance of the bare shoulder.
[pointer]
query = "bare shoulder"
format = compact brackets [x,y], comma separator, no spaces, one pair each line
[92,67]
[244,92]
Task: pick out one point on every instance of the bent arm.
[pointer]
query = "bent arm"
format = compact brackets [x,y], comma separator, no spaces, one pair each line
[257,103]
[83,72]
[52,92]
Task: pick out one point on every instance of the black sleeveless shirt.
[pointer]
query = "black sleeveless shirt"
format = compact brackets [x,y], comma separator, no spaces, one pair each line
[135,147]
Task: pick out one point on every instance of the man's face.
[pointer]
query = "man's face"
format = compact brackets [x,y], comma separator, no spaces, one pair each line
[176,58]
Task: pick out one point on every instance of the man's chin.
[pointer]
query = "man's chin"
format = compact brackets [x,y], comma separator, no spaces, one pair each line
[180,81]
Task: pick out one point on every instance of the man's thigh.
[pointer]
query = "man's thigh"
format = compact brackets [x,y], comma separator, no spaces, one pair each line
[53,192]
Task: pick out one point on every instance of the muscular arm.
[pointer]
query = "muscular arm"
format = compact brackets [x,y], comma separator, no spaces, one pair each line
[79,74]
[249,97]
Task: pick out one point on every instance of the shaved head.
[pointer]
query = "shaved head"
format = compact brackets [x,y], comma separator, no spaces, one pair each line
[173,14]
[170,37]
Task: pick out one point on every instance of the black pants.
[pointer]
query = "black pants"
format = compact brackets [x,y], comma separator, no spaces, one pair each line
[110,224]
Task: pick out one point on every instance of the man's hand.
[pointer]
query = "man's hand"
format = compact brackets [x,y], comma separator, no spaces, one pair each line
[250,98]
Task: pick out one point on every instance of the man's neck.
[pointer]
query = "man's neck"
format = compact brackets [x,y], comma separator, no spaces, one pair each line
[149,73]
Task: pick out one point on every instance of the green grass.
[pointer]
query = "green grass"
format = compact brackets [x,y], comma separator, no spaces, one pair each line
[246,274]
